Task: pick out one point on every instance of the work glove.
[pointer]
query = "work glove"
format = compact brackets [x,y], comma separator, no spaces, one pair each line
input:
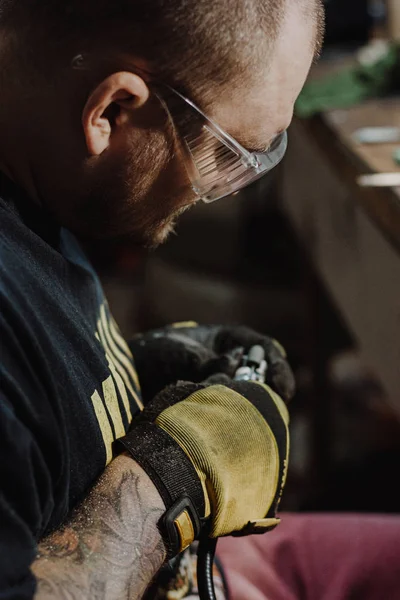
[192,352]
[217,455]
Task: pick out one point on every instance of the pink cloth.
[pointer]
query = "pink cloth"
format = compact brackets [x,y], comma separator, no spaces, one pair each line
[317,557]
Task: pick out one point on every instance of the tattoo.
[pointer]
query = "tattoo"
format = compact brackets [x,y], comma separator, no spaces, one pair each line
[110,548]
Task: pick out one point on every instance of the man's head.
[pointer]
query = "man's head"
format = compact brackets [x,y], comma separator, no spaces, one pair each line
[89,138]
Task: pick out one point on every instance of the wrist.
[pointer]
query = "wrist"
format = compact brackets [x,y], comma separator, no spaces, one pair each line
[175,479]
[124,466]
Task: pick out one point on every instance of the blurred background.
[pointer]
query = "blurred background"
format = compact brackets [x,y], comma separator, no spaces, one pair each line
[310,255]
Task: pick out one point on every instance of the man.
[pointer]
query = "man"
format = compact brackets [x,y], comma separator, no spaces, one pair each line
[115,118]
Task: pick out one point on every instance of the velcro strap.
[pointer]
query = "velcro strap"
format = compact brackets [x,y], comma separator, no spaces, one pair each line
[172,473]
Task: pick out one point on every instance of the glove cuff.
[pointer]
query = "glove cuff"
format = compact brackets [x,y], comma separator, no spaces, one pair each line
[176,480]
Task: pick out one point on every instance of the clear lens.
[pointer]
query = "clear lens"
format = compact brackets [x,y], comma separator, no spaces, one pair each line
[220,170]
[218,166]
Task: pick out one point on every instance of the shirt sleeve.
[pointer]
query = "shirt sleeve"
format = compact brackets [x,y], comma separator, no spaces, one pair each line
[25,499]
[28,434]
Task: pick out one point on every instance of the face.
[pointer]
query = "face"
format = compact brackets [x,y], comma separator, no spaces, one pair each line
[136,184]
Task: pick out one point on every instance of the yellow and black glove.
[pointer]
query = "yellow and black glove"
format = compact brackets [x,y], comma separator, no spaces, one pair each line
[217,455]
[191,352]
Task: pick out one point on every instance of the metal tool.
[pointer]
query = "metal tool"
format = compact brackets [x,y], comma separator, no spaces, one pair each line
[253,368]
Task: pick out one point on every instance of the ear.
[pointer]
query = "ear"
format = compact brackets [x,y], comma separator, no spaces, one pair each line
[127,92]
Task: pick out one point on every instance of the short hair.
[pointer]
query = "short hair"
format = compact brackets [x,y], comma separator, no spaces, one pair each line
[191,42]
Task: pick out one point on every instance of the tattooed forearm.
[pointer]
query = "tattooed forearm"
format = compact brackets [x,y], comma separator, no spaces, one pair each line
[111,547]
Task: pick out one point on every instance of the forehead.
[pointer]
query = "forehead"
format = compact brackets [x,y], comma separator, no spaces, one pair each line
[256,110]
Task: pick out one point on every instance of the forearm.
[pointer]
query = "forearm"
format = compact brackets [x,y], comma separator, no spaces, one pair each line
[111,547]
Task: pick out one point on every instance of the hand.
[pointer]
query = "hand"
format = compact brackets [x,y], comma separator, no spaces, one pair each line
[196,352]
[223,447]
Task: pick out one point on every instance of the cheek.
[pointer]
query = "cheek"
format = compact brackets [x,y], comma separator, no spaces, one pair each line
[170,187]
[136,191]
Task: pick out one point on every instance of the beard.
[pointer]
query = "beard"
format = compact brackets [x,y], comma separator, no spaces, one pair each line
[137,197]
[162,230]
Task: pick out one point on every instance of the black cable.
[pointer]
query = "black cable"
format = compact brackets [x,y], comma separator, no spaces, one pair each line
[205,561]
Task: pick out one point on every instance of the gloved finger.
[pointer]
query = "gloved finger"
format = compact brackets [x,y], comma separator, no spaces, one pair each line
[161,361]
[228,338]
[279,374]
[226,363]
[203,334]
[281,379]
[218,379]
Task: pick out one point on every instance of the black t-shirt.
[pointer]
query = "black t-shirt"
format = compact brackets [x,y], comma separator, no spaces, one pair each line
[68,386]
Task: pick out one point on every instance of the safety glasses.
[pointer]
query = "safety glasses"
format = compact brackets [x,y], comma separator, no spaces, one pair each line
[217,164]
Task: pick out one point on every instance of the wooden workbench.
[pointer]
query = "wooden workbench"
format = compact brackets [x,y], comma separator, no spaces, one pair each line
[352,235]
